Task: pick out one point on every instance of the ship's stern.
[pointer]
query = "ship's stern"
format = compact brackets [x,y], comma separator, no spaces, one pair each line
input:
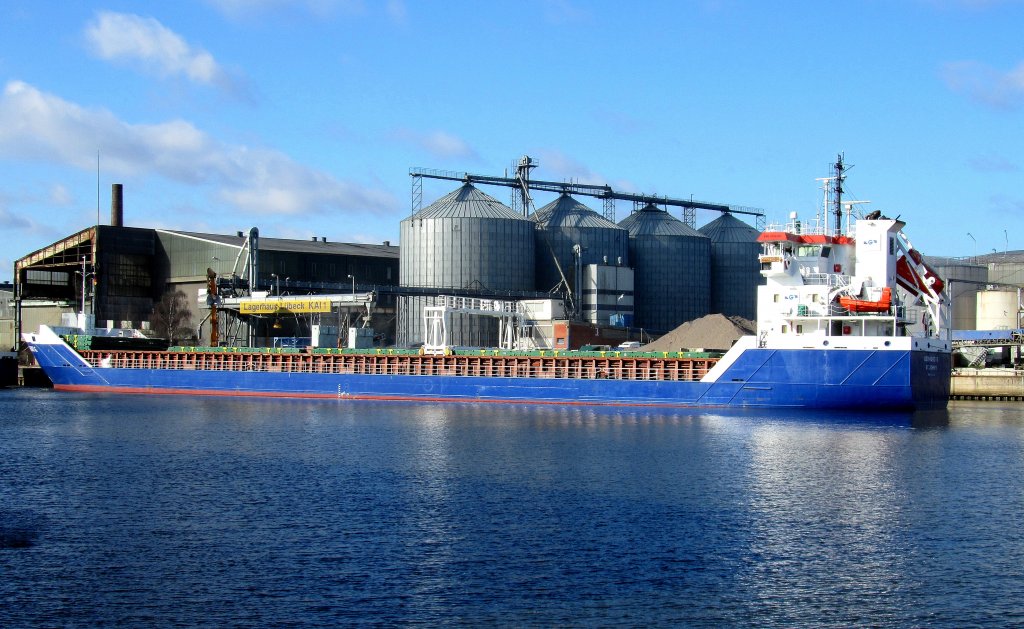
[930,372]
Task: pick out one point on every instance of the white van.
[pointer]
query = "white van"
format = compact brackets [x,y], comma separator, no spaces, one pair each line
[630,345]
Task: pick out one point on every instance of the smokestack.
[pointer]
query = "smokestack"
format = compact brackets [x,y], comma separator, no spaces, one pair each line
[117,205]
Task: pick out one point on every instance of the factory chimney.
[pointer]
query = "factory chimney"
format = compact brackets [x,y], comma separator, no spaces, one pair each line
[117,205]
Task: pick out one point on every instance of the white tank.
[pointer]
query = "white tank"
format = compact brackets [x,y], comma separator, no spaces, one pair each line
[998,309]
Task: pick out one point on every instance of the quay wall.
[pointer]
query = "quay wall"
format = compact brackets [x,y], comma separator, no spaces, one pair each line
[974,384]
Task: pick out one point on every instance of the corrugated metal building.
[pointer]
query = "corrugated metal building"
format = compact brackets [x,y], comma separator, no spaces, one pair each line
[129,269]
[1004,268]
[120,286]
[284,267]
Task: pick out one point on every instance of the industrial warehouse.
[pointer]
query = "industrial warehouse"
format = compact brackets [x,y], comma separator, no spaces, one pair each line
[470,272]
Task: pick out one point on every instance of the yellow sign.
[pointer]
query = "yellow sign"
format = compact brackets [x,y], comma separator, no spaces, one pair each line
[297,306]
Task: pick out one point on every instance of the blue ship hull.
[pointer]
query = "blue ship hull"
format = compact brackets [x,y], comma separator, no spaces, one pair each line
[768,378]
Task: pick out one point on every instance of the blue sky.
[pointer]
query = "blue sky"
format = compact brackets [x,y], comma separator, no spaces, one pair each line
[303,117]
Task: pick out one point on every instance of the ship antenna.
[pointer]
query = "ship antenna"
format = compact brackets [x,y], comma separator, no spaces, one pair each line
[837,192]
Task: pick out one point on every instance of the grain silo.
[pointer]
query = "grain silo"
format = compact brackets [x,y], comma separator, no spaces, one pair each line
[464,240]
[672,269]
[735,271]
[562,226]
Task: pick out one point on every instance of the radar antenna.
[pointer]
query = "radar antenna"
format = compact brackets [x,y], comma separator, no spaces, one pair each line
[837,192]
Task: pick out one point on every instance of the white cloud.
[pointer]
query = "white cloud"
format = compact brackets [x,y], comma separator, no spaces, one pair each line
[124,37]
[59,195]
[237,9]
[564,167]
[40,126]
[1002,90]
[397,10]
[563,12]
[557,166]
[438,143]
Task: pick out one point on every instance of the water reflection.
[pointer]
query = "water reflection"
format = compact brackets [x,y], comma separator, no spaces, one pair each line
[822,502]
[171,510]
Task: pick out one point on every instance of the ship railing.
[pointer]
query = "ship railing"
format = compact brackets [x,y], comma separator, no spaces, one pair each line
[551,367]
[475,304]
[832,280]
[813,227]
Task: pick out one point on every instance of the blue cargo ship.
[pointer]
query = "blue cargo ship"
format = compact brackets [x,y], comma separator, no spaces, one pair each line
[849,317]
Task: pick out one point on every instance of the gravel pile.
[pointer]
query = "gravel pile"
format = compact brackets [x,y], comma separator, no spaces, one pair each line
[711,332]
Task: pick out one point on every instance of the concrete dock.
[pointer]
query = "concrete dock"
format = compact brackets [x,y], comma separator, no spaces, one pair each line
[987,384]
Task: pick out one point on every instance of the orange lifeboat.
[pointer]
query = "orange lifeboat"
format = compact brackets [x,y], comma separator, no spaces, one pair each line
[864,305]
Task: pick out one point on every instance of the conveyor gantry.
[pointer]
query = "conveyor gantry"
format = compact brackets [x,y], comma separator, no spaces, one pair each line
[602,192]
[437,320]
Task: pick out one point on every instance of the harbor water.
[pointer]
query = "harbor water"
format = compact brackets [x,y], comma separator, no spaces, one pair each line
[171,510]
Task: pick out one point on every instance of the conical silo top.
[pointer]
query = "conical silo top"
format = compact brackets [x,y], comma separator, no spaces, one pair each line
[468,202]
[728,228]
[653,221]
[566,211]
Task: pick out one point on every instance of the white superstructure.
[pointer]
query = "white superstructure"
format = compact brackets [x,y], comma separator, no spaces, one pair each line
[865,288]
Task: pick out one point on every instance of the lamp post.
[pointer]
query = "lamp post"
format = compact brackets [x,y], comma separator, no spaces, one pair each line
[83,288]
[975,246]
[85,276]
[353,278]
[276,280]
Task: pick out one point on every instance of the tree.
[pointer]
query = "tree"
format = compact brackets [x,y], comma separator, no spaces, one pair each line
[172,319]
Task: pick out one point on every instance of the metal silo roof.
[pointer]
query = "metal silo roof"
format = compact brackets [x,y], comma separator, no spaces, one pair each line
[566,211]
[728,228]
[468,202]
[652,221]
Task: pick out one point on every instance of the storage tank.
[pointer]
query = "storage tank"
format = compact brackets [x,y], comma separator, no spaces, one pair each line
[998,309]
[735,271]
[465,239]
[565,223]
[672,269]
[963,279]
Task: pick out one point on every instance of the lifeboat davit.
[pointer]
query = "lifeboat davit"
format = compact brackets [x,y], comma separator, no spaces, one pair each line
[917,282]
[865,305]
